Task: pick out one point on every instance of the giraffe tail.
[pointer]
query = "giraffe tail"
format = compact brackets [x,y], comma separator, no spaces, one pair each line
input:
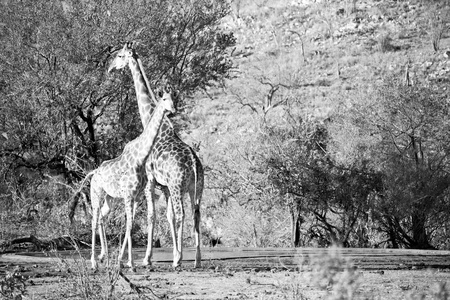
[73,201]
[194,165]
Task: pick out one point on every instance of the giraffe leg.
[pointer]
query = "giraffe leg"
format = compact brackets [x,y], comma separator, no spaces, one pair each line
[127,239]
[104,245]
[171,219]
[177,214]
[151,220]
[195,204]
[130,218]
[94,264]
[96,194]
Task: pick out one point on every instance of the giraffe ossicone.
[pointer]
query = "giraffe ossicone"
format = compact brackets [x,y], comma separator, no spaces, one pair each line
[172,166]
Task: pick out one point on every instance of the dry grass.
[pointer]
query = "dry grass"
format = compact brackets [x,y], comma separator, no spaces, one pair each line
[318,275]
[82,283]
[333,277]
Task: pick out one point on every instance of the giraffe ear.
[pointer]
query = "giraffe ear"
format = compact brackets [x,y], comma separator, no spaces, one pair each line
[134,44]
[176,96]
[159,91]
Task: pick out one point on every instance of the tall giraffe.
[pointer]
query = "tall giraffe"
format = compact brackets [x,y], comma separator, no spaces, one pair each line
[172,166]
[124,177]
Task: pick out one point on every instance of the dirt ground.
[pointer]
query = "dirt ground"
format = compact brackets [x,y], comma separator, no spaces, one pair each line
[229,273]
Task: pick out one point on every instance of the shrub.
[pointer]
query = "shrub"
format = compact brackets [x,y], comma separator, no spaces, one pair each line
[438,27]
[335,274]
[384,41]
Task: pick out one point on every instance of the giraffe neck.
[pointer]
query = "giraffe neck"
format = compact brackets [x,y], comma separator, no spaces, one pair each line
[148,136]
[145,103]
[151,130]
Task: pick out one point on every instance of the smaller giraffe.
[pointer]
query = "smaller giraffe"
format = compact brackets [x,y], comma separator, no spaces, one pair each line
[124,177]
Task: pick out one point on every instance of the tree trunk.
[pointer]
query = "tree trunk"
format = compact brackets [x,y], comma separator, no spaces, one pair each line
[419,215]
[393,238]
[419,234]
[296,222]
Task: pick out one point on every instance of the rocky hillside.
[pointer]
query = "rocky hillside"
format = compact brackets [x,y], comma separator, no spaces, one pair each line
[307,59]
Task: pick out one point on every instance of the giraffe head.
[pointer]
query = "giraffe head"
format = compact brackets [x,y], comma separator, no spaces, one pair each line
[123,57]
[165,94]
[164,86]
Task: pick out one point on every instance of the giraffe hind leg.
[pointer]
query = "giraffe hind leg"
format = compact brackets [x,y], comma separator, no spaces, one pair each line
[173,232]
[176,218]
[97,195]
[103,213]
[94,264]
[151,220]
[195,197]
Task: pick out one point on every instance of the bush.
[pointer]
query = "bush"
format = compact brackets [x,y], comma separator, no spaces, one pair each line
[384,41]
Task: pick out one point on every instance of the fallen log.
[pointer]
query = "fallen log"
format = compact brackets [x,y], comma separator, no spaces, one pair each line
[38,244]
[34,244]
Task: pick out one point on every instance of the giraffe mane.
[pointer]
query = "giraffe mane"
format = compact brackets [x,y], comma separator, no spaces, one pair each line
[146,80]
[149,88]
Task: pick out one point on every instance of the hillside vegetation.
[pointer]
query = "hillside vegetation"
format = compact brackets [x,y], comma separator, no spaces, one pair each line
[333,128]
[317,122]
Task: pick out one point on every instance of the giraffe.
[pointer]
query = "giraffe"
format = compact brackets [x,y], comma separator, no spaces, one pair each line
[124,177]
[172,166]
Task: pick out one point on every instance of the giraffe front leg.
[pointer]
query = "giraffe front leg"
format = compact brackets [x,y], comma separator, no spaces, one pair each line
[151,220]
[127,239]
[104,244]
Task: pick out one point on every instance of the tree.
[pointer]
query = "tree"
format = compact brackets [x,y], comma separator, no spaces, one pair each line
[403,129]
[334,196]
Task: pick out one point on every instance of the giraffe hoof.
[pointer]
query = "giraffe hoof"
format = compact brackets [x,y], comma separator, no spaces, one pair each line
[94,265]
[131,266]
[147,262]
